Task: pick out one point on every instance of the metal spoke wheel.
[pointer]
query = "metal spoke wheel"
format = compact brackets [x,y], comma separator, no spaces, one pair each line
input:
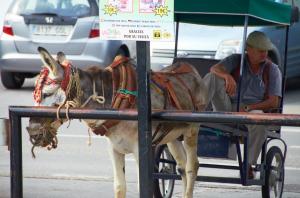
[274,180]
[164,163]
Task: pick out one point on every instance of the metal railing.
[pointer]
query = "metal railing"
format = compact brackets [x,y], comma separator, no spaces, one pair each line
[18,112]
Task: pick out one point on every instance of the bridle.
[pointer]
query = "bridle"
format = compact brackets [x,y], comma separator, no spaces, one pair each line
[124,92]
[46,134]
[124,97]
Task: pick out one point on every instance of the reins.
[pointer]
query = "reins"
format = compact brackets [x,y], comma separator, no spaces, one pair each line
[71,86]
[95,97]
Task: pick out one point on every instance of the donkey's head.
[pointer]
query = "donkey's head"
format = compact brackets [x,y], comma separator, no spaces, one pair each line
[52,89]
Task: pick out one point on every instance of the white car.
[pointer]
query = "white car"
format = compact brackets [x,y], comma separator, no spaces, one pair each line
[71,26]
[195,41]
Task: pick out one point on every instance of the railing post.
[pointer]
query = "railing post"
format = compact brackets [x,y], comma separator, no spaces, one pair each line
[144,120]
[16,180]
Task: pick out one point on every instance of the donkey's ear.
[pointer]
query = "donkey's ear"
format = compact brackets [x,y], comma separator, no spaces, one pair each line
[49,61]
[60,57]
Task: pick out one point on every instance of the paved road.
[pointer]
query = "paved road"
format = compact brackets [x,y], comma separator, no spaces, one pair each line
[75,169]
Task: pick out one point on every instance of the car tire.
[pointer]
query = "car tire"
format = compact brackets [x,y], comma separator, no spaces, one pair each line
[274,177]
[12,80]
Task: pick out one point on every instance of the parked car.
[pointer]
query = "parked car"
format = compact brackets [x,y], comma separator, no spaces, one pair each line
[71,26]
[197,41]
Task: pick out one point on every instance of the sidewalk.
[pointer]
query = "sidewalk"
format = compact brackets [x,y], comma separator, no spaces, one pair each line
[90,188]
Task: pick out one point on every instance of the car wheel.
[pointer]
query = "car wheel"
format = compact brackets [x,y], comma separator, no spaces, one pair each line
[12,80]
[164,164]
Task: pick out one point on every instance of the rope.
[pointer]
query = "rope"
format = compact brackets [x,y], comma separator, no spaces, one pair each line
[75,81]
[95,97]
[46,138]
[90,138]
[74,98]
[68,105]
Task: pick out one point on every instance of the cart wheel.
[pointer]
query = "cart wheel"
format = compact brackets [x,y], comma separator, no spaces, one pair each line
[274,180]
[164,163]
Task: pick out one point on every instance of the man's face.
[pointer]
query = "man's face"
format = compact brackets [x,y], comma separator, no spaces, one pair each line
[256,56]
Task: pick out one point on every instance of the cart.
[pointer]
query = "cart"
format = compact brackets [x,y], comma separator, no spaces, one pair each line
[220,137]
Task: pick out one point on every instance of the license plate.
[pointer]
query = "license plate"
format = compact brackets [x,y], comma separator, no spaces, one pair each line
[54,30]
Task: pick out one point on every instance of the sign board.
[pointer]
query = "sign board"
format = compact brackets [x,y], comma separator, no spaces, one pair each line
[143,20]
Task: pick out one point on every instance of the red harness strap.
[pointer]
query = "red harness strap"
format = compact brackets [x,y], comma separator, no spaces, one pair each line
[37,93]
[43,79]
[67,75]
[124,78]
[104,127]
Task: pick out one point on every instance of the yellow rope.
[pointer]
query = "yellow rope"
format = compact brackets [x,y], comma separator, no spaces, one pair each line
[95,97]
[47,137]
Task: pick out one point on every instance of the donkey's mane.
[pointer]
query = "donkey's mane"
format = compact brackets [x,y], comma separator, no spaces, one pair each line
[93,70]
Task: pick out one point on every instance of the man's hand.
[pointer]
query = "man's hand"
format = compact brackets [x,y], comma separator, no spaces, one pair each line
[230,85]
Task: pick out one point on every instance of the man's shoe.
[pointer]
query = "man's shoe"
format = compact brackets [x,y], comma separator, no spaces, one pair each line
[251,173]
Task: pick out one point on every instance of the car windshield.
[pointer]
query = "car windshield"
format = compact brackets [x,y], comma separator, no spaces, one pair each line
[76,8]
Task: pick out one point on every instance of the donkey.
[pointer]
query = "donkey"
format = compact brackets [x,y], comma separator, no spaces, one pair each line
[177,87]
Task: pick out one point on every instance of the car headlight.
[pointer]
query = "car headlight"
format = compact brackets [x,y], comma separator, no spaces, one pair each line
[228,47]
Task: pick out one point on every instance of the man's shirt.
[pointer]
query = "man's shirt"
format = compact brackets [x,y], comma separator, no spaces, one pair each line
[253,86]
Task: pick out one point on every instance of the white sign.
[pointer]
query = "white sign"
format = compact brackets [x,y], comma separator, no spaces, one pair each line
[144,20]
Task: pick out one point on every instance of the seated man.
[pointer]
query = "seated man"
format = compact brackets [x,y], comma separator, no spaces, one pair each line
[261,87]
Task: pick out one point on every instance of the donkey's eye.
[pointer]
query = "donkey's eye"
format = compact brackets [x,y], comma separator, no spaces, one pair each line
[45,95]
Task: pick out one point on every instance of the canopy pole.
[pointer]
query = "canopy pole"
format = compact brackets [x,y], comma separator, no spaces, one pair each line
[176,39]
[246,139]
[284,65]
[242,62]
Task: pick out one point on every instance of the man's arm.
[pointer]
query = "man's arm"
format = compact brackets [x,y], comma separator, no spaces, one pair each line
[271,102]
[230,84]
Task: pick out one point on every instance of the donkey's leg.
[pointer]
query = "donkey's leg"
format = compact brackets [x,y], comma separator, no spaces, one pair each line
[190,145]
[118,160]
[136,157]
[178,152]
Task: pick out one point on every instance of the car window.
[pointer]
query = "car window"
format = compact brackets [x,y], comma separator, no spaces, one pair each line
[76,8]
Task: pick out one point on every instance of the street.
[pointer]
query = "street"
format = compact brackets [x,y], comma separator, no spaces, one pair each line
[76,169]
